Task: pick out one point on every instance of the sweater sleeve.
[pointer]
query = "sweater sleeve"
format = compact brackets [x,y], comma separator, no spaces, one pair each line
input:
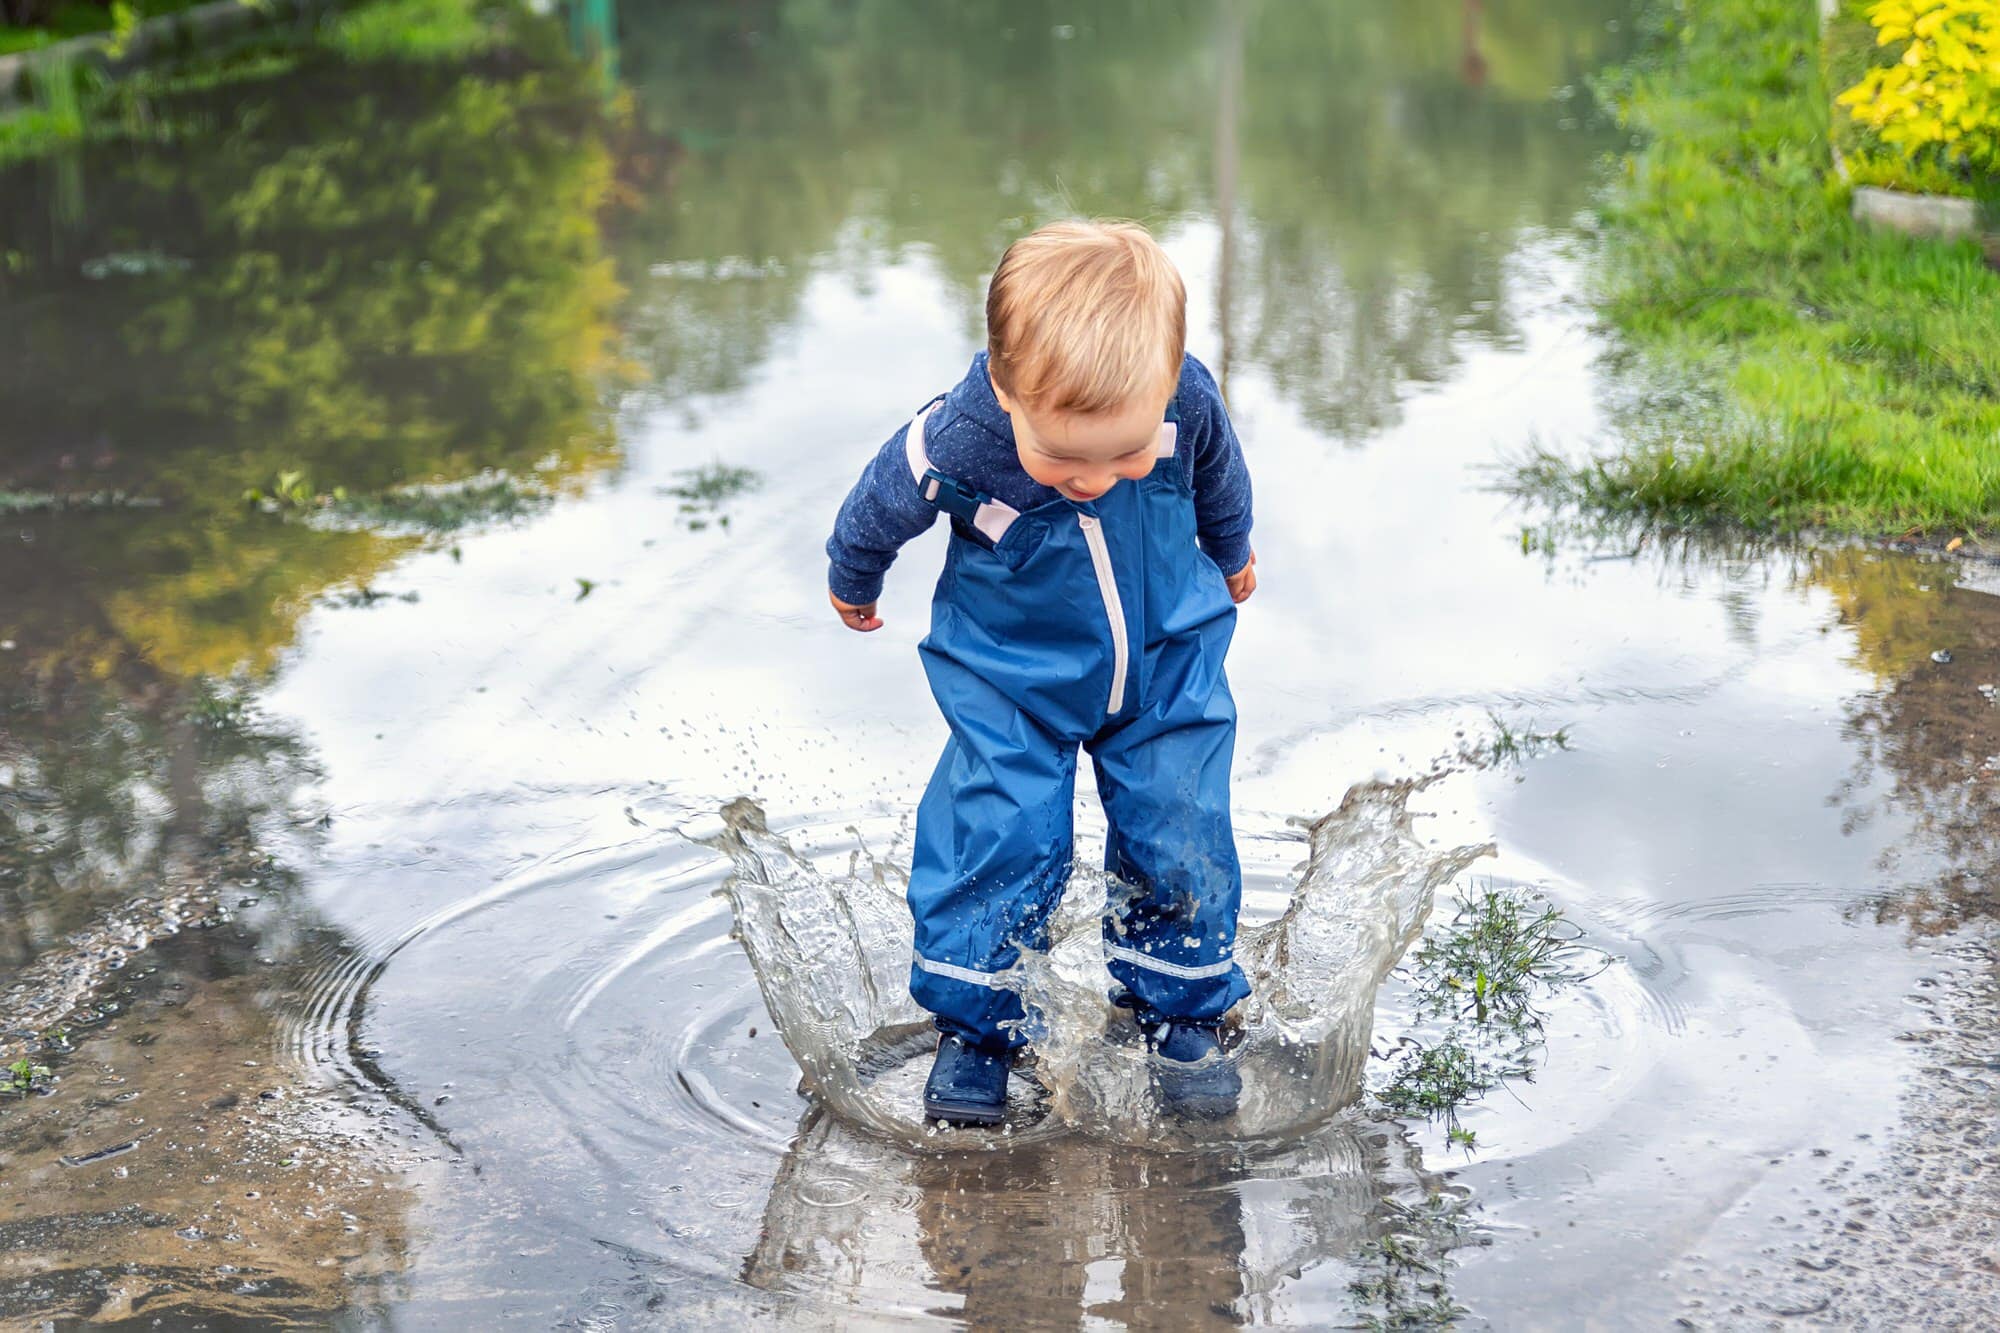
[1221,477]
[880,514]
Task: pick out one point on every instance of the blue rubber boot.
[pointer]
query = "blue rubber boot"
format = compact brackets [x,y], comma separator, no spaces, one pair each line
[967,1086]
[1196,1080]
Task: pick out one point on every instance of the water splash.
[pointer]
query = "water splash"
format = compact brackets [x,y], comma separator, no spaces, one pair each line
[831,955]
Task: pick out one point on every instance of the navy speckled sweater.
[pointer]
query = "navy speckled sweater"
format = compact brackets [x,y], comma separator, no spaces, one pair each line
[971,441]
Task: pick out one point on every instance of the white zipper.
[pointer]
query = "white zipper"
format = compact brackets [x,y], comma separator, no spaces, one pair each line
[1114,610]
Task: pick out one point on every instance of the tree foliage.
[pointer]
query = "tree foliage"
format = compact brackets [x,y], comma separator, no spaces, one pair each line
[1940,100]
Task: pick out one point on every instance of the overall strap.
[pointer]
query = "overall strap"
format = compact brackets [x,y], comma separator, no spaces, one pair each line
[990,516]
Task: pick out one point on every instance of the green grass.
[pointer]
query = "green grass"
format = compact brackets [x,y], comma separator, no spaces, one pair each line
[24,1076]
[1483,981]
[1779,367]
[42,502]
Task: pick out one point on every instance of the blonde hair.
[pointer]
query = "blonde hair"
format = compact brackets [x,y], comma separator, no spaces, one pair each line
[1085,317]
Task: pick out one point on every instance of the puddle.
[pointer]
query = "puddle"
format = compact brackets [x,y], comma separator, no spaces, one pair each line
[639,1049]
[401,589]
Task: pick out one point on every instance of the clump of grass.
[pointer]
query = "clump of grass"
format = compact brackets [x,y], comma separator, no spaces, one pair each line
[435,509]
[1504,950]
[1435,1080]
[289,490]
[24,1076]
[492,497]
[702,492]
[1510,743]
[1481,981]
[1819,375]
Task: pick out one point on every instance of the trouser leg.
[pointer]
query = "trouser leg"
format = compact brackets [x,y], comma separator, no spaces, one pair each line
[1170,937]
[992,855]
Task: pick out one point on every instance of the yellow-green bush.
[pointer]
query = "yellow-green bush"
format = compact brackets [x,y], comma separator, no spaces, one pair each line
[1940,101]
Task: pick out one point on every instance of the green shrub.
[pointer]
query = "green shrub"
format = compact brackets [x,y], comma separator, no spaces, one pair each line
[1939,101]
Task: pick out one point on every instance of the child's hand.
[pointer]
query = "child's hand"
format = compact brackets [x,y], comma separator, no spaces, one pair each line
[1241,584]
[863,617]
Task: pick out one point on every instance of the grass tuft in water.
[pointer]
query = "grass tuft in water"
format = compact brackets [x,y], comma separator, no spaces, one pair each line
[47,502]
[704,490]
[24,1076]
[1504,950]
[1511,744]
[1480,983]
[492,497]
[1434,1081]
[289,490]
[1793,371]
[434,510]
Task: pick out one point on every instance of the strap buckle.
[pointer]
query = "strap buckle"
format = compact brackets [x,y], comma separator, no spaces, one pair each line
[954,498]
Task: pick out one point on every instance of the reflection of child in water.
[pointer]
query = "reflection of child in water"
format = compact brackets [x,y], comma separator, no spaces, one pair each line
[1100,514]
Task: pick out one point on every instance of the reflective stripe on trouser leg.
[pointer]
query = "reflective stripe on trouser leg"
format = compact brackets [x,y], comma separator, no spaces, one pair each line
[992,854]
[1164,779]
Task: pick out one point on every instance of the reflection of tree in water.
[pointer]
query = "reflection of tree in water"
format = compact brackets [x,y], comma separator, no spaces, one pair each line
[376,276]
[1384,195]
[367,276]
[1376,193]
[116,786]
[832,137]
[1927,739]
[1930,729]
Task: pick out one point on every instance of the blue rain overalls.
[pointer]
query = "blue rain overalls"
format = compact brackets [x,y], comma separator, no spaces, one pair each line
[1099,624]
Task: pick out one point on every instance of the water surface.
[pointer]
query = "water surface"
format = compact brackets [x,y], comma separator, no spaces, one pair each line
[420,781]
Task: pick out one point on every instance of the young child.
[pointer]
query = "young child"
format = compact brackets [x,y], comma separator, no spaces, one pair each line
[1100,514]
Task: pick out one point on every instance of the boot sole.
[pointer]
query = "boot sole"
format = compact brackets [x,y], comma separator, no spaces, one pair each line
[963,1113]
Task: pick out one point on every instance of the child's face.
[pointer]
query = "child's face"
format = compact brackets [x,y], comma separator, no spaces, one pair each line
[1084,455]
